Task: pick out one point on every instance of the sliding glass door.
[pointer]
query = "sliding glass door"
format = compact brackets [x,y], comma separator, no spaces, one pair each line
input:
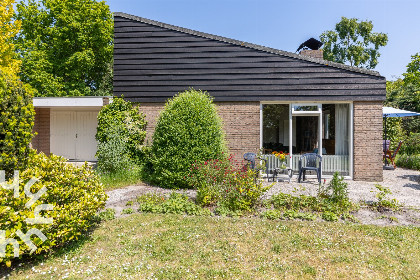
[308,128]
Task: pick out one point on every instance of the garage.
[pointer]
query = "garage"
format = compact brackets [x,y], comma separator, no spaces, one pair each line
[66,126]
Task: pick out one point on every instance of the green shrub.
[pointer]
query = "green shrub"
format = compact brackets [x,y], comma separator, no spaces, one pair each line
[120,134]
[410,145]
[336,191]
[225,183]
[188,130]
[75,193]
[175,204]
[209,177]
[409,161]
[16,123]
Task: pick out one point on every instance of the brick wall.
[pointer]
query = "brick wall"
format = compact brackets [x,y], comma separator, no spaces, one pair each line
[151,110]
[241,122]
[41,141]
[368,141]
[313,53]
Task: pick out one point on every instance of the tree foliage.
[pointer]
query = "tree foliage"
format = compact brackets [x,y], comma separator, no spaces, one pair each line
[412,76]
[353,42]
[9,65]
[188,130]
[65,46]
[16,109]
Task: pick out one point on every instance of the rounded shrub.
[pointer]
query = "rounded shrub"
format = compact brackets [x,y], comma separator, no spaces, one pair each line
[16,123]
[120,133]
[188,130]
[75,193]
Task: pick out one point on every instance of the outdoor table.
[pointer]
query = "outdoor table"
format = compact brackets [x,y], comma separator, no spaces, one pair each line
[283,173]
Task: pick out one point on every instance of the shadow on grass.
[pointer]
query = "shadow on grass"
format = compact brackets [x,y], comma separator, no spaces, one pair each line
[68,248]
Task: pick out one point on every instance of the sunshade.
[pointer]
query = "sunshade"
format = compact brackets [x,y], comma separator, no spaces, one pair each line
[393,112]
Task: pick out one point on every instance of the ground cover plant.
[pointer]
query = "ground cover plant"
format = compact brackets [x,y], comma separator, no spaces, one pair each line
[188,130]
[384,203]
[331,204]
[170,246]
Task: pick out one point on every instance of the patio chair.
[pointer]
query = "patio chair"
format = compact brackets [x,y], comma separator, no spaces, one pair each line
[308,162]
[392,154]
[250,157]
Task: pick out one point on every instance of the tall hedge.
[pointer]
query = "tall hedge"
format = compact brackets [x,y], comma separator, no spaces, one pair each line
[188,130]
[120,133]
[16,123]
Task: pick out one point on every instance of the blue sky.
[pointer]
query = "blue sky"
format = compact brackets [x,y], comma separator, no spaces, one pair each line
[285,25]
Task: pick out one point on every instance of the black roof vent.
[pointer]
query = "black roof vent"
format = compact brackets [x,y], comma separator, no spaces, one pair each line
[312,44]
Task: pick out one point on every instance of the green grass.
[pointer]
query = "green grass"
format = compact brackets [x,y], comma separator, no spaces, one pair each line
[121,179]
[143,246]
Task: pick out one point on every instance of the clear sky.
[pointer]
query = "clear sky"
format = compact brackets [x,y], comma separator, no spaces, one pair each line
[285,24]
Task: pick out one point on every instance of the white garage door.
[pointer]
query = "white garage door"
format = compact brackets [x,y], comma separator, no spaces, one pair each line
[73,134]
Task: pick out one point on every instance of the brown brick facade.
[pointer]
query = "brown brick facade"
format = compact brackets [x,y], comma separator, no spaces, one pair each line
[368,141]
[41,142]
[241,122]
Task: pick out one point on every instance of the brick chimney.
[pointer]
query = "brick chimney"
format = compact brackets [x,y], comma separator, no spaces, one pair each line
[313,53]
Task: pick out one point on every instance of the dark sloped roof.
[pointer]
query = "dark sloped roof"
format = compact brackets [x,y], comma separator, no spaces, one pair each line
[248,45]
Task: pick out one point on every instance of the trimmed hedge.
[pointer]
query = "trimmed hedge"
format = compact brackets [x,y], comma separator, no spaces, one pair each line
[75,192]
[188,130]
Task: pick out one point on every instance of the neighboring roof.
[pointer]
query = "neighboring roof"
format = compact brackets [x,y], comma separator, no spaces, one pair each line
[80,101]
[248,45]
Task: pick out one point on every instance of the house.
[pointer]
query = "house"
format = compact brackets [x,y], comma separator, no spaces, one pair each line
[267,98]
[66,126]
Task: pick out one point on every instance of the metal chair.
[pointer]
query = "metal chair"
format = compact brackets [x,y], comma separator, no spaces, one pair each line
[311,162]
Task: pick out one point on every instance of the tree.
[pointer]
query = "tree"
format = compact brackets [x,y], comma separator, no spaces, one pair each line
[412,76]
[16,109]
[188,130]
[65,45]
[353,42]
[9,65]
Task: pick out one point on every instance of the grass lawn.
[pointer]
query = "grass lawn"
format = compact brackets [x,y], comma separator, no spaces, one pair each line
[156,246]
[121,179]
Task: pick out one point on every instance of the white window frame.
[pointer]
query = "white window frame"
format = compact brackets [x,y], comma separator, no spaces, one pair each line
[313,113]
